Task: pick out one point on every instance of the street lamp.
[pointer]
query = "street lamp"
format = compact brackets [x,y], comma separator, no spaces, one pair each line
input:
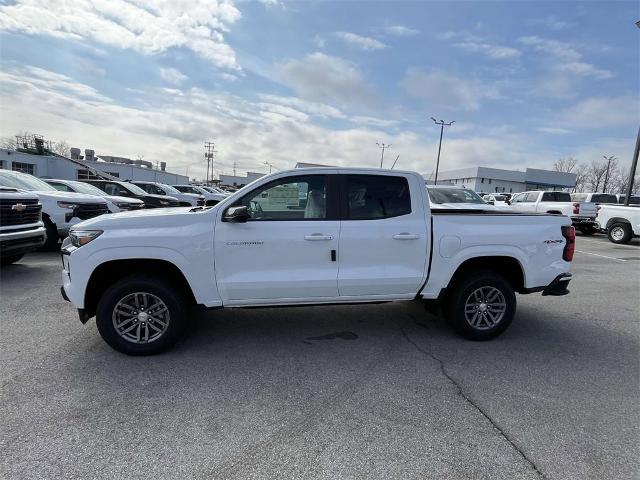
[442,125]
[382,146]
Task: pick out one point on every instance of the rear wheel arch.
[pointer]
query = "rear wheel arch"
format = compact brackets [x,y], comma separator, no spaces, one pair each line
[107,273]
[506,266]
[555,212]
[614,220]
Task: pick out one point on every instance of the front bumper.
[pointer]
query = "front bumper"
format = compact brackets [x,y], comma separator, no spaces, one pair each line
[558,286]
[15,243]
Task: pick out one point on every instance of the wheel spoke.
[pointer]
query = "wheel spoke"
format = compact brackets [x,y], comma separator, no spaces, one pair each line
[128,329]
[157,320]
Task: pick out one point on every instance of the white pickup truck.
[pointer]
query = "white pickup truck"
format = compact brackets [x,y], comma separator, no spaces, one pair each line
[619,222]
[582,214]
[353,236]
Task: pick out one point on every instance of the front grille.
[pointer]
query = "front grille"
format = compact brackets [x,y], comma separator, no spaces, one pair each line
[85,211]
[13,213]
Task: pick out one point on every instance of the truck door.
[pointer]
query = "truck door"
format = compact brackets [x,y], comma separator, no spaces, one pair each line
[286,250]
[383,236]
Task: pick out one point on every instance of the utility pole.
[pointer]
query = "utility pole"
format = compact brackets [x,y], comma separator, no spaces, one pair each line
[634,165]
[382,146]
[209,151]
[442,125]
[606,175]
[270,166]
[234,168]
[394,162]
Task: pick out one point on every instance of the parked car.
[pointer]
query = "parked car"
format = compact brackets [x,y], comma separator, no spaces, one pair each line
[359,235]
[455,197]
[212,189]
[582,214]
[621,197]
[127,189]
[21,227]
[596,197]
[114,203]
[60,210]
[185,199]
[496,199]
[210,198]
[619,222]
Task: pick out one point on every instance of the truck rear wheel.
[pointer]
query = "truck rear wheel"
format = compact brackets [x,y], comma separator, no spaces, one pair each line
[588,230]
[141,315]
[620,233]
[481,306]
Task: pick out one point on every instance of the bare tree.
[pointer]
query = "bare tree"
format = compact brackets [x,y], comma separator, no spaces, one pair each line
[595,175]
[8,142]
[566,165]
[61,148]
[611,171]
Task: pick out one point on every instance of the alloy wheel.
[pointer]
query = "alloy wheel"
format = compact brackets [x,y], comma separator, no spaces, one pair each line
[485,307]
[140,317]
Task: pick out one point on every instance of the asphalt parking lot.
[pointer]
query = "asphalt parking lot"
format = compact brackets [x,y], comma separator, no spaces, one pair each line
[381,391]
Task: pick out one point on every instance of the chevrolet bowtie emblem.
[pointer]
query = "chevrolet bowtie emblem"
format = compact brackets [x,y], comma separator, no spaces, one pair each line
[19,207]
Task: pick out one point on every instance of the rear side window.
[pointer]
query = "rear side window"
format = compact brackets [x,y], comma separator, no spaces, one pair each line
[556,197]
[372,197]
[603,198]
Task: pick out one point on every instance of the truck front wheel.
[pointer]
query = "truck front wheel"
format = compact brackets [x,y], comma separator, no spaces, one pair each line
[141,315]
[481,306]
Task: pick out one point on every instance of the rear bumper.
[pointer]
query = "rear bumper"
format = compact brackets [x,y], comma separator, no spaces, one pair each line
[584,222]
[558,286]
[16,243]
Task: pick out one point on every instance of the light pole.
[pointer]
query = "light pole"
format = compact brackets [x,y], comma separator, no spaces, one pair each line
[606,176]
[382,146]
[270,166]
[442,125]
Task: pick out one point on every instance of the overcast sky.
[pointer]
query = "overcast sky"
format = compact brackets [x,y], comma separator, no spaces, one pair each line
[322,82]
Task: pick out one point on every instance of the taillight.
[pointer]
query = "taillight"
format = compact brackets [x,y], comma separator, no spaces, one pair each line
[576,208]
[569,233]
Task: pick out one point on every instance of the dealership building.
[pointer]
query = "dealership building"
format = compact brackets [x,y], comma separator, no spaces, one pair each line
[49,166]
[498,180]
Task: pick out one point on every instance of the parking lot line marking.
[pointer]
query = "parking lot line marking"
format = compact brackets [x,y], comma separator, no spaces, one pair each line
[603,256]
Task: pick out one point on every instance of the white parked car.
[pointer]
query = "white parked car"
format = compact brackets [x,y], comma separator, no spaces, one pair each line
[114,203]
[442,196]
[21,227]
[185,199]
[582,214]
[619,222]
[496,199]
[356,235]
[210,198]
[60,210]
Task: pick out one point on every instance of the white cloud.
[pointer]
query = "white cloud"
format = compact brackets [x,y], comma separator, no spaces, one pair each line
[565,57]
[323,78]
[446,91]
[172,75]
[475,44]
[551,22]
[554,130]
[401,31]
[360,42]
[150,28]
[602,112]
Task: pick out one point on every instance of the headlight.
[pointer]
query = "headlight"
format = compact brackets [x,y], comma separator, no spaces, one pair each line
[122,204]
[82,237]
[164,202]
[68,205]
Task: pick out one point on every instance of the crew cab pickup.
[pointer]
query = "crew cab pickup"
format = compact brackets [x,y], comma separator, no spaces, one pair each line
[350,236]
[620,223]
[582,214]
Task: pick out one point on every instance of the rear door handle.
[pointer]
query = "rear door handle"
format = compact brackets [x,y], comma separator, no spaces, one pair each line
[314,237]
[406,236]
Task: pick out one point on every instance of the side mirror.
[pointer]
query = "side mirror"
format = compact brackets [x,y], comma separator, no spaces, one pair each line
[236,215]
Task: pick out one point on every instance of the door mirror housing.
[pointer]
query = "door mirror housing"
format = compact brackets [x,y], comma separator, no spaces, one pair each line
[236,214]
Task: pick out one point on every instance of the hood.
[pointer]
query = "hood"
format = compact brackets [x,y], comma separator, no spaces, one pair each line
[146,218]
[69,196]
[16,194]
[117,199]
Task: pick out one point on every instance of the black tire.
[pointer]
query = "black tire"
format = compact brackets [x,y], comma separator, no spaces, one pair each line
[51,244]
[587,230]
[620,233]
[487,282]
[172,298]
[9,259]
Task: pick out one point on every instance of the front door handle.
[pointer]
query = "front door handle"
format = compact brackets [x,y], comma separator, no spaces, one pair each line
[406,236]
[314,237]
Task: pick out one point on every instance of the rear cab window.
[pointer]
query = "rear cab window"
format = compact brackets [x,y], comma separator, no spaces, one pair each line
[374,197]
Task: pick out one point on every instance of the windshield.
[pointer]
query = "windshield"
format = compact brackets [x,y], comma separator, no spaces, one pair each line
[169,188]
[134,188]
[81,187]
[23,181]
[454,195]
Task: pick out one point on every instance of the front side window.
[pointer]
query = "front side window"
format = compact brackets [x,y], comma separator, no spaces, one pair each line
[531,197]
[292,198]
[372,197]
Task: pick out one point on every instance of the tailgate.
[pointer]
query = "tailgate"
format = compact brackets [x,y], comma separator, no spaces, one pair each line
[588,209]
